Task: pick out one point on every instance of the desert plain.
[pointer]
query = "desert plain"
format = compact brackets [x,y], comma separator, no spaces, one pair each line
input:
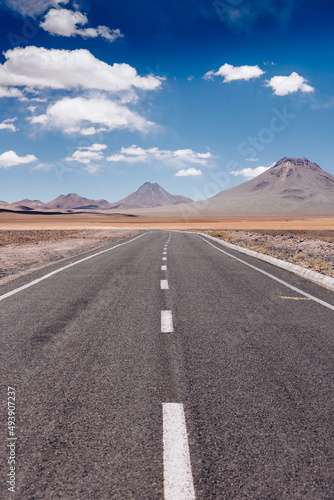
[18,220]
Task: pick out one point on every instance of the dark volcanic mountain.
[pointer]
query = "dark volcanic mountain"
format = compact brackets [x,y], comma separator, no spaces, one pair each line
[149,196]
[293,186]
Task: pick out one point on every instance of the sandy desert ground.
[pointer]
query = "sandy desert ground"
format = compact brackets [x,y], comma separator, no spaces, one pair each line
[120,221]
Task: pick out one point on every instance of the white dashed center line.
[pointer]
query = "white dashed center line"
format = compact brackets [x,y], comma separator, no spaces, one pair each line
[166,322]
[164,253]
[178,480]
[164,258]
[164,285]
[163,268]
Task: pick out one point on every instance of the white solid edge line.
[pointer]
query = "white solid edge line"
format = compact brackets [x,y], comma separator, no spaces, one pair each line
[46,276]
[295,289]
[163,268]
[178,480]
[164,284]
[166,322]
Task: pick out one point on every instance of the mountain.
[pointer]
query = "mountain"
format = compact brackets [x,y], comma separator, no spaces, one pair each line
[29,204]
[293,186]
[149,196]
[73,201]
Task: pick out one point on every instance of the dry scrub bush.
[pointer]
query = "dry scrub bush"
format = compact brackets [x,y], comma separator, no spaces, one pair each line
[299,256]
[319,264]
[226,236]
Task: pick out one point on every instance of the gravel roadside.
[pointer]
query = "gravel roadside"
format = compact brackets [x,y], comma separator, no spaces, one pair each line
[22,252]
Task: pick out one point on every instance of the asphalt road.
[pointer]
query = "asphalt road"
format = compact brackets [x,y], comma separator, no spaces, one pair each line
[216,382]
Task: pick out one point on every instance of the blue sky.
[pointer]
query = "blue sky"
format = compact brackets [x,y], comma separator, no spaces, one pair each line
[99,97]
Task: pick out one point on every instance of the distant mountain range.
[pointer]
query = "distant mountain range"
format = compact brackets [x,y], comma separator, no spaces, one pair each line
[147,196]
[293,186]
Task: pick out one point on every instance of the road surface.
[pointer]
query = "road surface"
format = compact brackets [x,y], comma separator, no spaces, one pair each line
[167,367]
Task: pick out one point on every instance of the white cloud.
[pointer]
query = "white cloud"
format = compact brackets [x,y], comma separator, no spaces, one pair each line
[85,156]
[252,159]
[250,173]
[38,67]
[10,159]
[10,92]
[91,130]
[88,154]
[178,158]
[102,31]
[231,73]
[72,115]
[94,147]
[33,7]
[8,124]
[64,22]
[284,85]
[187,172]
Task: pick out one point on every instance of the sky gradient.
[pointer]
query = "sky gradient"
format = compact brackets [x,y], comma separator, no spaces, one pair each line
[99,97]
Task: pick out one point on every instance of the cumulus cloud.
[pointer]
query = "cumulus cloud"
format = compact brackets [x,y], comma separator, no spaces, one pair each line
[64,22]
[188,172]
[10,159]
[38,67]
[10,92]
[231,73]
[33,7]
[284,85]
[178,158]
[250,173]
[87,154]
[8,125]
[76,114]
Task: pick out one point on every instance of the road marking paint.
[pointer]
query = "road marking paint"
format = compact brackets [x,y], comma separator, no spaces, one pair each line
[295,298]
[24,287]
[295,289]
[166,322]
[163,268]
[178,480]
[164,253]
[164,285]
[164,258]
